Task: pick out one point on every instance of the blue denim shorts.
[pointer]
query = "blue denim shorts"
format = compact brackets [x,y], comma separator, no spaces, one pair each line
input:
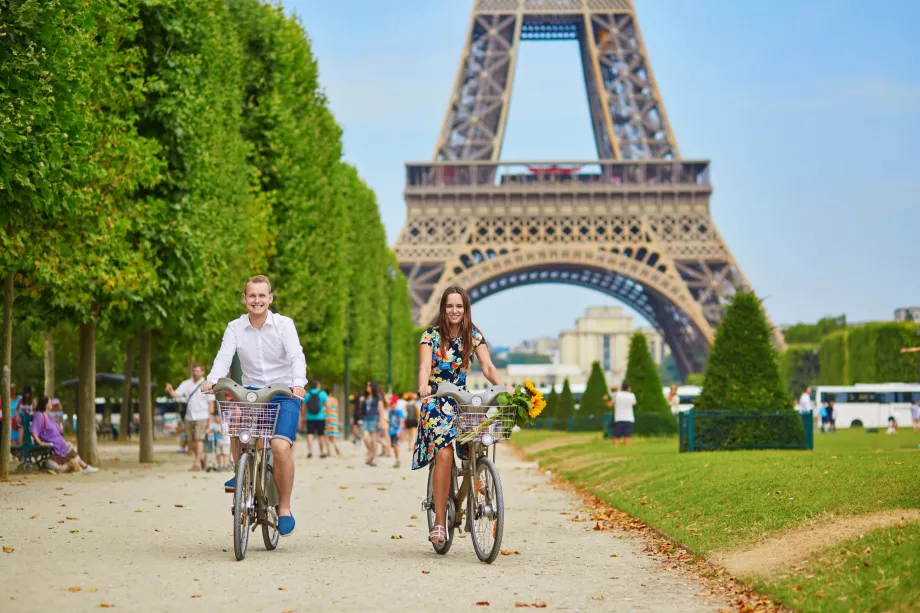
[370,425]
[288,417]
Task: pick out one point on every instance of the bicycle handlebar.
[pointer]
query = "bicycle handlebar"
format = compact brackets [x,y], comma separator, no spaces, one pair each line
[464,397]
[241,394]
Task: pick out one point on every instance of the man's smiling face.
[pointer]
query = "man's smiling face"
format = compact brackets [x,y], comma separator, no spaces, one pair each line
[258,297]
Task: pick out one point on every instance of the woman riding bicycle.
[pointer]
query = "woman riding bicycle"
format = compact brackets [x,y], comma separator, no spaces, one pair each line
[445,354]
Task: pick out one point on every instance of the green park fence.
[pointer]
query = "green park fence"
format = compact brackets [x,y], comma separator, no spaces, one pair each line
[731,431]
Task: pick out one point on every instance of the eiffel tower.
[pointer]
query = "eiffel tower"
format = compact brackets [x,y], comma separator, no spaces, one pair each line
[633,224]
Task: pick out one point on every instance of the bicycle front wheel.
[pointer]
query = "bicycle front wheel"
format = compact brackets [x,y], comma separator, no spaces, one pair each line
[241,498]
[270,534]
[487,511]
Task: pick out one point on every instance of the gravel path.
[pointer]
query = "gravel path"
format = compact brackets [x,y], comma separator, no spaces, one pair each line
[123,539]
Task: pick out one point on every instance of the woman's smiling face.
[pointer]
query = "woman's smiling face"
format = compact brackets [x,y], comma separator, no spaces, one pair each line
[454,309]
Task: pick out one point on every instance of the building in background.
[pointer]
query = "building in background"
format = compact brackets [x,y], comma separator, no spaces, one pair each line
[907,314]
[541,346]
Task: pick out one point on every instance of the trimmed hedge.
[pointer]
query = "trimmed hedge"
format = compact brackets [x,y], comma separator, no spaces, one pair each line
[798,366]
[742,378]
[833,359]
[593,400]
[642,376]
[870,353]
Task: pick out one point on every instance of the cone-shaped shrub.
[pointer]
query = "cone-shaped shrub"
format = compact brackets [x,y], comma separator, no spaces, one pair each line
[592,401]
[552,406]
[653,415]
[742,377]
[565,408]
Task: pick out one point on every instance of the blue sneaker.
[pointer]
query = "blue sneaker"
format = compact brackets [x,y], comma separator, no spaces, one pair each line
[286,525]
[231,484]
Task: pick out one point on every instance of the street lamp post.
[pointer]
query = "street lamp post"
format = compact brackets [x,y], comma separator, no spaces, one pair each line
[391,276]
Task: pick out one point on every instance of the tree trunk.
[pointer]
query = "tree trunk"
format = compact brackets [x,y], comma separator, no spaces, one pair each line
[107,411]
[127,415]
[6,361]
[86,411]
[146,452]
[49,364]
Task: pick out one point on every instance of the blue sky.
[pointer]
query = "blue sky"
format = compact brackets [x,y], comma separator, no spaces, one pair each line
[809,111]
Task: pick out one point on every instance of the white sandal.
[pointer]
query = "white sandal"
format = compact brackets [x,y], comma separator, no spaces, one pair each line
[438,535]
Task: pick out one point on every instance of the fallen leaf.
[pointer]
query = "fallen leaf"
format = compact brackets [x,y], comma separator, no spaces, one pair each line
[33,517]
[60,521]
[343,487]
[521,604]
[138,511]
[178,506]
[598,597]
[71,518]
[59,488]
[396,537]
[413,517]
[94,589]
[867,550]
[539,604]
[281,589]
[105,605]
[112,502]
[482,603]
[510,552]
[373,530]
[426,572]
[196,595]
[613,555]
[74,531]
[382,489]
[75,588]
[351,497]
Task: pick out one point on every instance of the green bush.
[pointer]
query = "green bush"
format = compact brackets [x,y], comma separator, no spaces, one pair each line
[564,408]
[642,376]
[813,333]
[742,377]
[798,366]
[695,378]
[593,400]
[833,358]
[552,405]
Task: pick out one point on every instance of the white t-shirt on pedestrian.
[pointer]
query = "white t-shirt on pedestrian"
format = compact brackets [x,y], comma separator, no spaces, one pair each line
[805,404]
[196,403]
[915,411]
[623,403]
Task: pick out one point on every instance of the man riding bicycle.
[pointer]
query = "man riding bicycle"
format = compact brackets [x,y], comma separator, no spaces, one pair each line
[270,353]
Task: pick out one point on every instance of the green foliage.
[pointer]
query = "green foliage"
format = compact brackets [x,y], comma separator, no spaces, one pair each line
[696,379]
[813,333]
[594,398]
[743,378]
[653,415]
[565,407]
[833,359]
[798,366]
[552,404]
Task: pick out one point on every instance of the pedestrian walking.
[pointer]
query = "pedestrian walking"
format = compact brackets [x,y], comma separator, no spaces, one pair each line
[373,402]
[197,413]
[624,417]
[315,403]
[333,431]
[357,425]
[412,410]
[674,399]
[397,425]
[915,414]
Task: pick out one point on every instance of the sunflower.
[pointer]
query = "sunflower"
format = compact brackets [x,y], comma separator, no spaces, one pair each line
[539,403]
[529,386]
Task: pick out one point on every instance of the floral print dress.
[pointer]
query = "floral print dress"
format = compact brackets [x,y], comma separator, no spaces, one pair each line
[436,419]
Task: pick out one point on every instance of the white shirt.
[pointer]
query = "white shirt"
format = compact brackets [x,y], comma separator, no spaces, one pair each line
[915,410]
[805,404]
[196,403]
[623,403]
[267,356]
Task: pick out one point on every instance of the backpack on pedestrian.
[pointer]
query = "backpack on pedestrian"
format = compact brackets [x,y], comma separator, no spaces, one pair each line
[313,403]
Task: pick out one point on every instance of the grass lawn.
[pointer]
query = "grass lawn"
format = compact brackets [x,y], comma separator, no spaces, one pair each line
[716,501]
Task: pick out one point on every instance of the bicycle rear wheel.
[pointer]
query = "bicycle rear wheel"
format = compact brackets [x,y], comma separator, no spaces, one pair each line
[442,548]
[487,511]
[270,534]
[241,498]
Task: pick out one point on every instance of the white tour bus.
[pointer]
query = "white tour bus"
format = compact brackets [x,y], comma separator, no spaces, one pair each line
[869,405]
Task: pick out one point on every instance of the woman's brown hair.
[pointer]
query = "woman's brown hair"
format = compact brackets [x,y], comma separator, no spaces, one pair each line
[466,325]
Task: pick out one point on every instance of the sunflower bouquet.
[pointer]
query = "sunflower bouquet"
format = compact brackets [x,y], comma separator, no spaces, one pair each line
[527,402]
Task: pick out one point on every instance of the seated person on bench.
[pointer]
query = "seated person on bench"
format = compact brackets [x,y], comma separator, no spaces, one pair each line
[46,431]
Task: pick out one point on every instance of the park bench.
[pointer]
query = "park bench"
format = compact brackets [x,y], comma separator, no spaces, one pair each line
[31,456]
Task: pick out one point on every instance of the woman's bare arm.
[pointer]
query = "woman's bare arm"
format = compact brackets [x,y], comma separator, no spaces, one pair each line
[489,370]
[424,370]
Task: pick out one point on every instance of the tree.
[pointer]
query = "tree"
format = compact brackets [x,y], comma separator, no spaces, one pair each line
[552,405]
[696,379]
[565,408]
[653,415]
[593,400]
[813,333]
[742,377]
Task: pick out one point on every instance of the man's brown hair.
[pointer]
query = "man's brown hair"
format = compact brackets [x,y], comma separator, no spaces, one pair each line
[258,279]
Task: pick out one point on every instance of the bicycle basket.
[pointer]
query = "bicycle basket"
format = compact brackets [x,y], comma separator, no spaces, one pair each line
[255,418]
[475,421]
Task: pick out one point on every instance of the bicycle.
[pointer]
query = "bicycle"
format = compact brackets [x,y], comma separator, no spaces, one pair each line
[250,418]
[485,504]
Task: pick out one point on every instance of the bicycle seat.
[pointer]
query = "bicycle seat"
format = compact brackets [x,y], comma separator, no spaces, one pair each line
[241,394]
[464,397]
